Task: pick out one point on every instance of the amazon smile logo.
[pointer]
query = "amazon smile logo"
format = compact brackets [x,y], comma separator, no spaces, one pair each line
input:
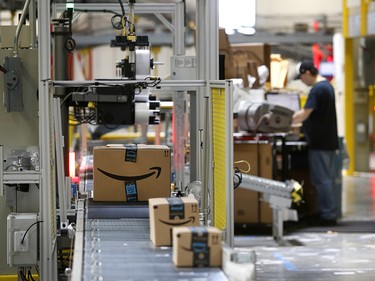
[157,171]
[191,219]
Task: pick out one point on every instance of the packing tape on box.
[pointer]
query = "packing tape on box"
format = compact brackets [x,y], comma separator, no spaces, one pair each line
[131,152]
[199,246]
[176,208]
[131,191]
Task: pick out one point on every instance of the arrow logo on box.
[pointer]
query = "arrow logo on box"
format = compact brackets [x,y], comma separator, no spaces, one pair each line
[132,178]
[191,219]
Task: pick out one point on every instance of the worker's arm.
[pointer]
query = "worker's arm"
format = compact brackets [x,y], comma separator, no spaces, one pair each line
[301,115]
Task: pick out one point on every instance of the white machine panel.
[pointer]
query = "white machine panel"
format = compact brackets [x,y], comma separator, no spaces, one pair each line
[183,68]
[22,234]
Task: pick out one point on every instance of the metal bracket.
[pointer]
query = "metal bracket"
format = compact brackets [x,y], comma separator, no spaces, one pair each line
[13,101]
[1,170]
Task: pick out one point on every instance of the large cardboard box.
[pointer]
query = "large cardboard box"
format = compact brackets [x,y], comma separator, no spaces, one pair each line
[248,205]
[131,173]
[167,213]
[197,246]
[242,60]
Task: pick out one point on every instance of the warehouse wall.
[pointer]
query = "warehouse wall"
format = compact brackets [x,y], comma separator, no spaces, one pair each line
[282,15]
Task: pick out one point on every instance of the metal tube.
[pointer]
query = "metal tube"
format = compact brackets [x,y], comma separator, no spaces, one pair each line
[164,83]
[164,21]
[32,19]
[179,102]
[131,18]
[60,161]
[61,72]
[266,186]
[19,27]
[47,238]
[141,8]
[179,32]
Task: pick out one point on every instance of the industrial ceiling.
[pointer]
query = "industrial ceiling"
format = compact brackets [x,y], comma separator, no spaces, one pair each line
[86,25]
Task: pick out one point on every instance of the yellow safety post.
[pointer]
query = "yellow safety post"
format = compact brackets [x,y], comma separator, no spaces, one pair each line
[348,90]
[14,277]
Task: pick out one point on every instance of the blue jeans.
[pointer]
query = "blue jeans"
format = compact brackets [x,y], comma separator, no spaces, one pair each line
[322,173]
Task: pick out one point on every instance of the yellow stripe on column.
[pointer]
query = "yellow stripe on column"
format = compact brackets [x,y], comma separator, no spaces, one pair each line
[219,155]
[14,277]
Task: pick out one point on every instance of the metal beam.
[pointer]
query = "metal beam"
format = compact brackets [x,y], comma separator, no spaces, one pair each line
[141,8]
[285,38]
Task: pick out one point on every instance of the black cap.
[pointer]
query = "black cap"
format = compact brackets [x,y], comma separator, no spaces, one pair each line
[307,65]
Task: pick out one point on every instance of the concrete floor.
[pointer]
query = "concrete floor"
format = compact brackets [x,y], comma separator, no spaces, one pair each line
[327,254]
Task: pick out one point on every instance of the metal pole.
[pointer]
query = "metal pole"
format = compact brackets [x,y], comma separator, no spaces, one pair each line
[197,101]
[59,164]
[229,159]
[47,239]
[179,103]
[32,19]
[60,60]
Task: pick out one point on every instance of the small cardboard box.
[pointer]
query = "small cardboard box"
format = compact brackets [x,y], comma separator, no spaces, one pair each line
[197,246]
[131,173]
[166,213]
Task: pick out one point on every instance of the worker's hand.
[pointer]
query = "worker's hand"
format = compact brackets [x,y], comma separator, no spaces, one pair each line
[296,125]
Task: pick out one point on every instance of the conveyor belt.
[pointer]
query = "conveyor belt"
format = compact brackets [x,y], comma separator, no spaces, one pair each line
[120,249]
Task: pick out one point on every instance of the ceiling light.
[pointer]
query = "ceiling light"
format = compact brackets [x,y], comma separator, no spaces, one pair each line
[234,14]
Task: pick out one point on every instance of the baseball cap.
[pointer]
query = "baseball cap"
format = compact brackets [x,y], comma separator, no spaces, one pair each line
[306,65]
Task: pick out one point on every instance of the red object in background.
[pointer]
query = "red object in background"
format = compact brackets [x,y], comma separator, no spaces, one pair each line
[322,53]
[316,25]
[75,180]
[318,54]
[329,52]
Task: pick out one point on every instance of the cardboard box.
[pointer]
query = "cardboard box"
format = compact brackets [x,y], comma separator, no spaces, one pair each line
[131,173]
[248,205]
[167,213]
[246,201]
[265,171]
[197,246]
[258,52]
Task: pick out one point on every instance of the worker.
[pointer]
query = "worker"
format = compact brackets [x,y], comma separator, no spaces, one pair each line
[319,125]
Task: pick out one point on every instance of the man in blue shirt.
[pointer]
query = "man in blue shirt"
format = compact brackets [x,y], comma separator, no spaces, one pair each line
[320,129]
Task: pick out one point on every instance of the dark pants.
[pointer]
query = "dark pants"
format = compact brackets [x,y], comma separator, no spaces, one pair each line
[322,171]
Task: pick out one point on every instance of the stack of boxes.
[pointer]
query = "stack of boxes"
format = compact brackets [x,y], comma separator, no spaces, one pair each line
[139,173]
[175,222]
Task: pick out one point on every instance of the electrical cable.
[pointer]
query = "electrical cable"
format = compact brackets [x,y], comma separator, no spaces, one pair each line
[242,170]
[23,276]
[30,275]
[96,11]
[11,165]
[118,24]
[65,98]
[238,176]
[122,7]
[238,173]
[24,235]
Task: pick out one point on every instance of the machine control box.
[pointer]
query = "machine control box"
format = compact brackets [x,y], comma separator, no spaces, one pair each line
[22,235]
